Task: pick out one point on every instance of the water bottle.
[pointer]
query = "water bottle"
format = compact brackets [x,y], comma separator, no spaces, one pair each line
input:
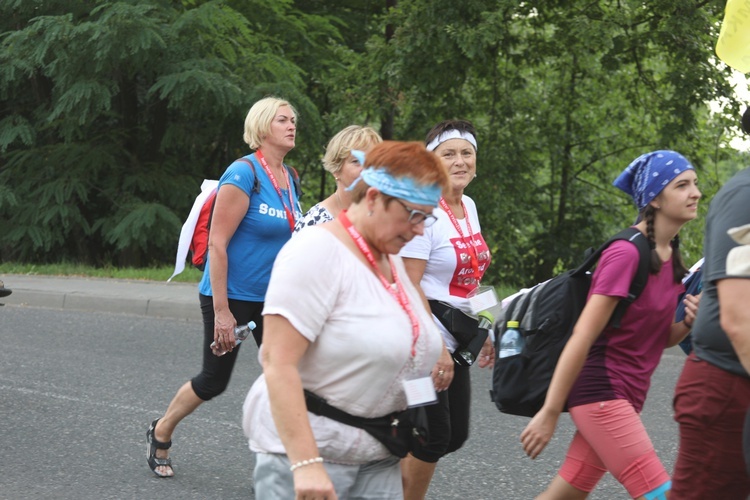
[511,343]
[467,354]
[241,332]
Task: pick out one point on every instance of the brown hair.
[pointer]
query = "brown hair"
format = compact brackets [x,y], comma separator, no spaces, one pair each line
[446,125]
[678,265]
[403,159]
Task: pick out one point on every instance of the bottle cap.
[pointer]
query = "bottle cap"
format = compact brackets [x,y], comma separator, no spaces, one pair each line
[512,324]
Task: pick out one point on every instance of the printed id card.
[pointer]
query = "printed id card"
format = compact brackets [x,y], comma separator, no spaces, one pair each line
[481,299]
[420,391]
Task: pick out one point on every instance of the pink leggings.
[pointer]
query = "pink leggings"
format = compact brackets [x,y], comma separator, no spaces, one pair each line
[611,437]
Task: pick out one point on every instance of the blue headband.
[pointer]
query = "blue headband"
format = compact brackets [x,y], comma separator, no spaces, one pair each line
[404,187]
[648,174]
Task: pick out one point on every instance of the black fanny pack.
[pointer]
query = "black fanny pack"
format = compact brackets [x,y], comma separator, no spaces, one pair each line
[464,328]
[400,432]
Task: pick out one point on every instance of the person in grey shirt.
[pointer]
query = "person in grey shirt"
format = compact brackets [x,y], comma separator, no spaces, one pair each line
[712,396]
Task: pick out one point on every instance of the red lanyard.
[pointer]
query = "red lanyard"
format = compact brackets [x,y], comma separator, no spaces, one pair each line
[470,243]
[399,294]
[289,213]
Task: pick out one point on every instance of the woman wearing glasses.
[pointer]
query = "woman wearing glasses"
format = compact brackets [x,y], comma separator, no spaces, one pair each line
[354,333]
[447,263]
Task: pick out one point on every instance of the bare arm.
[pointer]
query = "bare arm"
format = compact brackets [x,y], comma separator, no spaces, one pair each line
[415,270]
[283,347]
[230,208]
[681,329]
[593,319]
[734,315]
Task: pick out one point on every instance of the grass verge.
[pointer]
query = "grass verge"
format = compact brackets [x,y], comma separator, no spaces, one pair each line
[189,275]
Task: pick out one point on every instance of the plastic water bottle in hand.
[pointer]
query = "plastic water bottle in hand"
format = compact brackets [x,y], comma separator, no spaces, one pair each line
[467,353]
[240,334]
[511,343]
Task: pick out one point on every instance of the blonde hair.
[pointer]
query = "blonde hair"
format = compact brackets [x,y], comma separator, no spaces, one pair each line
[340,146]
[259,118]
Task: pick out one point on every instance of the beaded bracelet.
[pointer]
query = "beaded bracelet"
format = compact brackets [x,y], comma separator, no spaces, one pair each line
[316,460]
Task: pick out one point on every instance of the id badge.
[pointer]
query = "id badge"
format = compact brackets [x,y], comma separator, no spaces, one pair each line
[419,391]
[482,298]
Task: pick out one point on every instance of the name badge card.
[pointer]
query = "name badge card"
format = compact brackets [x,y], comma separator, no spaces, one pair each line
[420,391]
[481,299]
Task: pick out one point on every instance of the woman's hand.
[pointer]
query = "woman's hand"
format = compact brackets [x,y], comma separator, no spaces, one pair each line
[224,324]
[442,372]
[691,308]
[312,483]
[487,354]
[538,432]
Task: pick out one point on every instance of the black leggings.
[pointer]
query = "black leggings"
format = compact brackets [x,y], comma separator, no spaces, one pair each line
[217,370]
[448,419]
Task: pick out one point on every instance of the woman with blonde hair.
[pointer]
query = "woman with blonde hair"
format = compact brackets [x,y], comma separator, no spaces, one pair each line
[254,214]
[345,168]
[354,334]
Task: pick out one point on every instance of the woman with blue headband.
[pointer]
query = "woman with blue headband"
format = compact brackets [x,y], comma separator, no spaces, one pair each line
[447,263]
[346,332]
[604,372]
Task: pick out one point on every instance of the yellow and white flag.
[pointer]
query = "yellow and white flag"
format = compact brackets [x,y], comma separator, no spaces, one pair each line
[733,46]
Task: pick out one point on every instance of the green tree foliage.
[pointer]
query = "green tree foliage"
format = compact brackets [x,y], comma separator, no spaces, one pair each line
[565,95]
[112,112]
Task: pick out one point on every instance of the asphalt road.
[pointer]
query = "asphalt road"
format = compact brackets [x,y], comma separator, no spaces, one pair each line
[78,390]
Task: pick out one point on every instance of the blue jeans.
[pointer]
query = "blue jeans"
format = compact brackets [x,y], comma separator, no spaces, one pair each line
[379,480]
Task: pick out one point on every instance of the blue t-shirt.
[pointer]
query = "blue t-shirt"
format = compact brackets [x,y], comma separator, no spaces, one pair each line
[259,236]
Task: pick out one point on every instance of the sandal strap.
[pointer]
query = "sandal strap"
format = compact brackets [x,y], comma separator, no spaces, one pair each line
[161,462]
[159,445]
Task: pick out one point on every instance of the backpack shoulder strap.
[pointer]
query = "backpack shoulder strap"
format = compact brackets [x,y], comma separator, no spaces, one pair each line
[634,236]
[256,181]
[295,179]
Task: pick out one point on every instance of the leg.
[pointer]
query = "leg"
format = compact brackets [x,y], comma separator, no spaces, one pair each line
[213,379]
[616,434]
[379,480]
[579,474]
[419,466]
[182,405]
[710,406]
[272,477]
[459,405]
[449,428]
[416,476]
[560,489]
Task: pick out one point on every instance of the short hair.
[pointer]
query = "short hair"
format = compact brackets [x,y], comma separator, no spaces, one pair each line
[746,121]
[446,125]
[340,146]
[403,159]
[259,118]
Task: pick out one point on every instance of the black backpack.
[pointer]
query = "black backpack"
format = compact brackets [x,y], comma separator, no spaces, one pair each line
[546,315]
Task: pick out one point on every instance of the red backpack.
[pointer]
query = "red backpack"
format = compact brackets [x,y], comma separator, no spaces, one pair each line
[198,250]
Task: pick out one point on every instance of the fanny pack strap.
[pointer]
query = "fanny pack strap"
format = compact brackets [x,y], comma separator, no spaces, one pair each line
[320,406]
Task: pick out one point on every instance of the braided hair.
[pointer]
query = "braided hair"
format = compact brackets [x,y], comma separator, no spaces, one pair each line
[678,266]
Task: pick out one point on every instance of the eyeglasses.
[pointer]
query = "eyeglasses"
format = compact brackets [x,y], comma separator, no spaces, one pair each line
[418,216]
